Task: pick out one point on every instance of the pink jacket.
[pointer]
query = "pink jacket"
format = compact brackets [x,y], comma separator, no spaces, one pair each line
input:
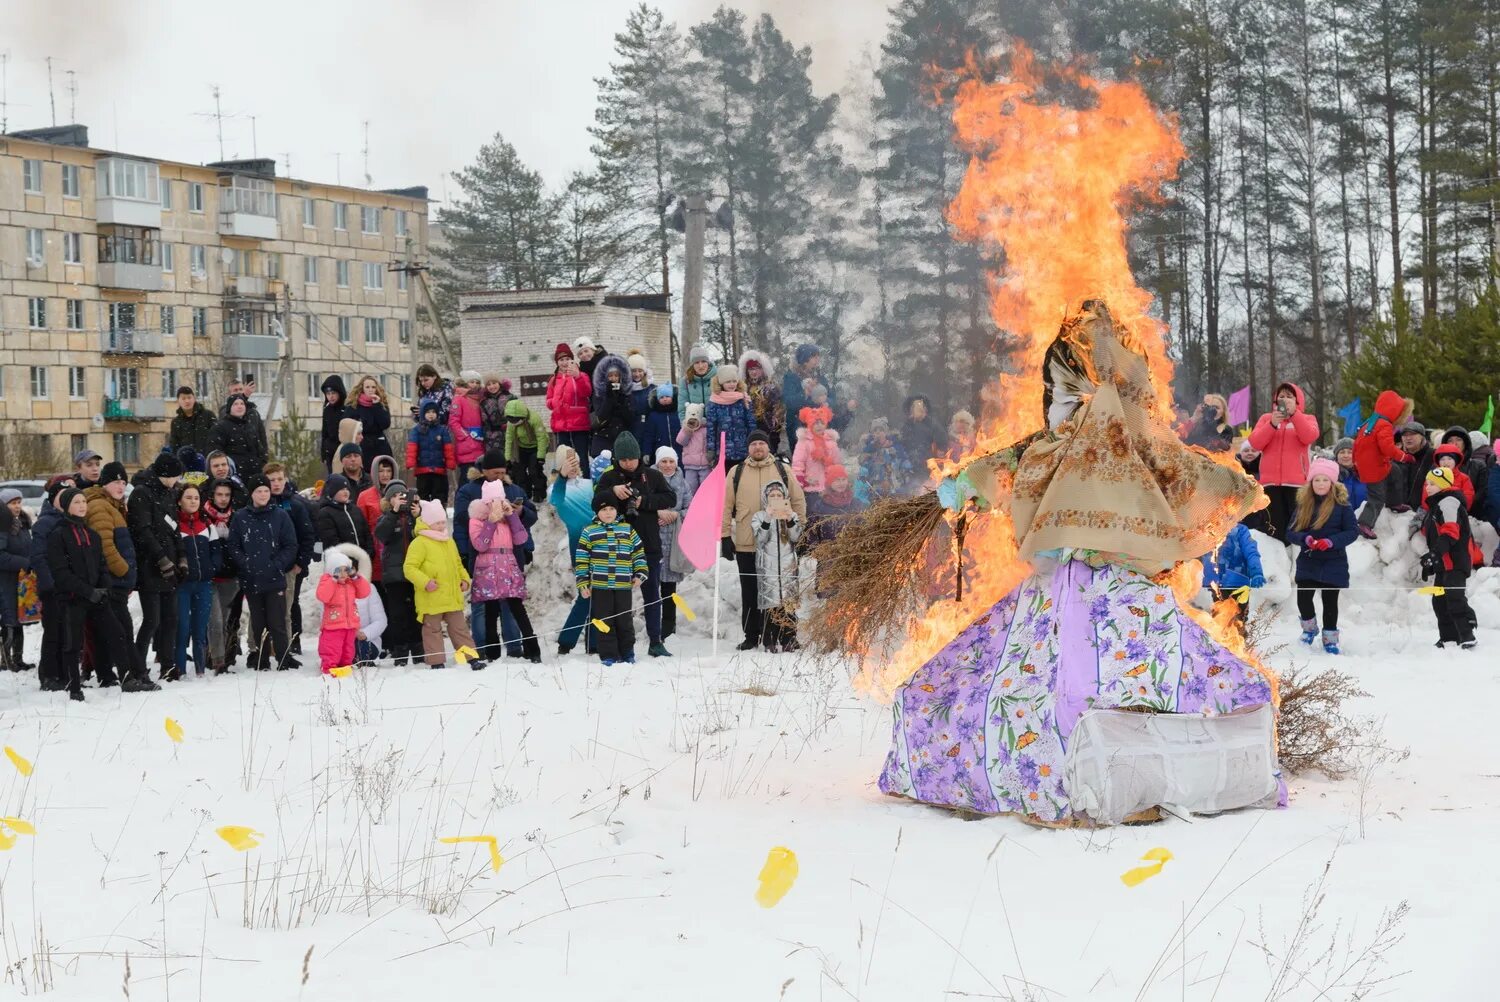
[811,472]
[694,446]
[340,601]
[568,399]
[466,422]
[1285,459]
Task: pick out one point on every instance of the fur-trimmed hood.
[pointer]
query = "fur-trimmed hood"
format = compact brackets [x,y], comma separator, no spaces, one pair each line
[360,557]
[602,371]
[377,463]
[762,359]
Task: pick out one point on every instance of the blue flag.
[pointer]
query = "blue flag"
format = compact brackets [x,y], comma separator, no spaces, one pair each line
[1352,416]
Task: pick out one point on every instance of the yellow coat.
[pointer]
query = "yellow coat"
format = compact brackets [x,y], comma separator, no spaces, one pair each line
[434,560]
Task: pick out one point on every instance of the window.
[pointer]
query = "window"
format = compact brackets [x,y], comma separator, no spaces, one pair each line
[344,330]
[39,382]
[36,312]
[132,179]
[122,316]
[168,384]
[200,321]
[312,386]
[198,261]
[253,195]
[405,387]
[77,443]
[31,176]
[127,448]
[71,186]
[369,219]
[310,270]
[403,331]
[36,248]
[374,331]
[343,274]
[127,244]
[309,212]
[340,216]
[166,196]
[401,280]
[195,196]
[72,248]
[123,384]
[169,321]
[75,314]
[202,381]
[273,264]
[373,274]
[400,222]
[76,382]
[168,264]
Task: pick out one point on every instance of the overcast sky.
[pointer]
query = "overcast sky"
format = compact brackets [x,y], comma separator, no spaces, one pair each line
[434,78]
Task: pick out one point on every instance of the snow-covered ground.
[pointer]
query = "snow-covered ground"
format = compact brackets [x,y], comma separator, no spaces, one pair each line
[635,807]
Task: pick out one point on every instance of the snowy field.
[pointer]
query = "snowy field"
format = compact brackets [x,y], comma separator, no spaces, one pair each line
[634,808]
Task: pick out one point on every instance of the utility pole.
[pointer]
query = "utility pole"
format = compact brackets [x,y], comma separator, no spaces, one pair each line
[219,120]
[284,366]
[51,98]
[696,209]
[4,93]
[419,271]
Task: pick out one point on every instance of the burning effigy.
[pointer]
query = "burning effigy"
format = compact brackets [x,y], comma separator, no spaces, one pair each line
[1069,679]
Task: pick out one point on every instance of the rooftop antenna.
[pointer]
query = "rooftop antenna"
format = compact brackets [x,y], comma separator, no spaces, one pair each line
[72,96]
[254,145]
[4,93]
[338,168]
[218,116]
[51,98]
[366,152]
[288,158]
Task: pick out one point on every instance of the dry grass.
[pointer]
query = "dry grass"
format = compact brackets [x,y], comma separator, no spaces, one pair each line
[1315,732]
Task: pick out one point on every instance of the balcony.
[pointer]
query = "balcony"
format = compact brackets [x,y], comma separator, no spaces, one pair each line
[252,347]
[126,275]
[118,409]
[246,286]
[247,208]
[129,257]
[127,193]
[130,342]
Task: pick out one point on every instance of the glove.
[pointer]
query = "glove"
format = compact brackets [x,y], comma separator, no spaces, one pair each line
[713,458]
[432,584]
[1259,581]
[726,548]
[182,567]
[165,566]
[1319,544]
[96,596]
[1429,565]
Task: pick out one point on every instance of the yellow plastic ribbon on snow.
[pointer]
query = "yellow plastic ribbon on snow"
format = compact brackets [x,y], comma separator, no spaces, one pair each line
[1133,877]
[17,825]
[1432,590]
[174,730]
[488,840]
[22,764]
[601,626]
[342,671]
[465,654]
[689,613]
[776,877]
[240,837]
[1240,595]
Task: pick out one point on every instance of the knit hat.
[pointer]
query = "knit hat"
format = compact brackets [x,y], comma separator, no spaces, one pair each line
[470,376]
[432,512]
[1341,445]
[166,465]
[561,352]
[428,405]
[493,459]
[1478,440]
[583,342]
[626,447]
[698,354]
[252,484]
[9,494]
[805,352]
[350,449]
[191,460]
[726,372]
[1455,451]
[396,487]
[1441,477]
[1414,426]
[759,436]
[600,463]
[1323,468]
[65,498]
[604,499]
[810,416]
[835,472]
[880,426]
[637,361]
[333,561]
[334,484]
[56,485]
[113,471]
[665,391]
[664,452]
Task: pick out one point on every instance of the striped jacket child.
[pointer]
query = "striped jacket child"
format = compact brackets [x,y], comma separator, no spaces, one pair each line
[610,559]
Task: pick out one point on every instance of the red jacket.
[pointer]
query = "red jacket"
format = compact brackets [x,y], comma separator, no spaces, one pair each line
[1461,481]
[1375,447]
[341,601]
[368,504]
[465,417]
[1284,451]
[568,400]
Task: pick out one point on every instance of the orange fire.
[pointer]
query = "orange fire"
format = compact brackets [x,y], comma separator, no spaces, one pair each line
[1049,185]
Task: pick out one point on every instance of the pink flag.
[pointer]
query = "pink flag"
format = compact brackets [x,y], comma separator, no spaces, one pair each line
[1239,407]
[699,535]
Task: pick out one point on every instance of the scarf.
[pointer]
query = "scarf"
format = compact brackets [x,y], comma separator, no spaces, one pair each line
[438,533]
[367,401]
[726,396]
[820,447]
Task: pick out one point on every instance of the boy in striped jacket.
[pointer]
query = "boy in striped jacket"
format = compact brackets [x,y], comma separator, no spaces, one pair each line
[609,561]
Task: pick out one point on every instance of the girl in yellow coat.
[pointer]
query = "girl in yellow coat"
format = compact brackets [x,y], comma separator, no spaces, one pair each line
[438,578]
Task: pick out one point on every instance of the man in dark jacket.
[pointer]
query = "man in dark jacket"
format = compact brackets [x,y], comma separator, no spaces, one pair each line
[242,440]
[1405,484]
[50,668]
[152,518]
[193,427]
[75,568]
[1471,466]
[106,516]
[246,389]
[263,547]
[284,496]
[338,520]
[351,465]
[335,409]
[640,492]
[492,466]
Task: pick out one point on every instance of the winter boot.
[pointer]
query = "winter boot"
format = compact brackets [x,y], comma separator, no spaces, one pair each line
[6,664]
[1331,641]
[658,650]
[138,683]
[17,647]
[1309,631]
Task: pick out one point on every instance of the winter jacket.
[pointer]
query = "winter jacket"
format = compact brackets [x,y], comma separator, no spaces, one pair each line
[300,511]
[48,522]
[1329,568]
[572,499]
[728,412]
[655,496]
[641,395]
[341,601]
[776,560]
[1406,484]
[694,390]
[743,493]
[1284,451]
[374,422]
[812,472]
[492,414]
[764,397]
[333,413]
[1215,437]
[15,558]
[674,564]
[435,560]
[826,520]
[152,518]
[192,431]
[75,560]
[528,433]
[372,617]
[693,446]
[472,491]
[497,573]
[794,397]
[1471,466]
[440,394]
[1375,446]
[610,408]
[662,426]
[342,522]
[262,548]
[252,415]
[466,422]
[1358,492]
[1461,481]
[922,440]
[242,441]
[1492,493]
[393,534]
[883,470]
[609,557]
[107,517]
[1235,564]
[202,547]
[429,448]
[1448,534]
[568,400]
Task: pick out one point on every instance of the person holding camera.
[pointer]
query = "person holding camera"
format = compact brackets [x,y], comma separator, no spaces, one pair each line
[639,492]
[1211,429]
[1284,437]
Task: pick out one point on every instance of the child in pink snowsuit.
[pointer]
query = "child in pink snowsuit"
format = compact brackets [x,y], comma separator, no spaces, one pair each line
[495,530]
[339,589]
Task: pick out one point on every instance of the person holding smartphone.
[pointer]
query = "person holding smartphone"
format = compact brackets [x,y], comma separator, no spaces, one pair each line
[1284,436]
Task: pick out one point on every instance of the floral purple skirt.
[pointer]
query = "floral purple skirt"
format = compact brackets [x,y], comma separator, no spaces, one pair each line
[984,725]
[497,575]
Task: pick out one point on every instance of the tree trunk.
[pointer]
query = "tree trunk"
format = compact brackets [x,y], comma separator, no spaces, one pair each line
[1392,166]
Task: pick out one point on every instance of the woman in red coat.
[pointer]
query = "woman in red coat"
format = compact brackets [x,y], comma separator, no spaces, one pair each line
[568,395]
[1375,449]
[1284,436]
